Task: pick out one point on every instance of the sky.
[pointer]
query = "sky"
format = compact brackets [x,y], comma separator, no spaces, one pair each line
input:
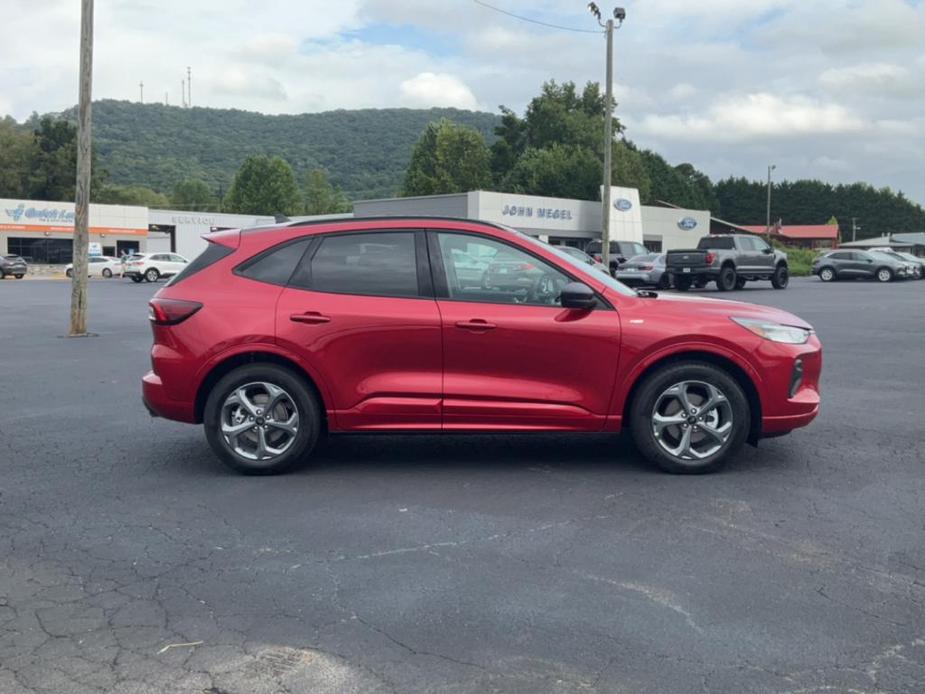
[829,89]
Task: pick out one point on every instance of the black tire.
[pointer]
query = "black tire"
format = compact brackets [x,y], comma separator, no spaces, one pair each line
[19,277]
[884,274]
[726,281]
[740,282]
[827,274]
[2,275]
[682,284]
[700,284]
[152,274]
[652,389]
[309,410]
[781,277]
[69,273]
[137,279]
[664,282]
[107,273]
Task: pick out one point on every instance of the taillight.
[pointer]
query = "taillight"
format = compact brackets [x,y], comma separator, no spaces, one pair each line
[171,311]
[710,257]
[645,267]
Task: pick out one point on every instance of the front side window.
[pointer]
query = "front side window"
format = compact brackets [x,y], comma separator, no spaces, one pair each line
[381,263]
[503,275]
[760,245]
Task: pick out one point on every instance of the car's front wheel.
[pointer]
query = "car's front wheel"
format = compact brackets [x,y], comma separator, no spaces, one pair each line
[781,277]
[137,279]
[69,272]
[689,417]
[262,419]
[107,273]
[884,274]
[827,274]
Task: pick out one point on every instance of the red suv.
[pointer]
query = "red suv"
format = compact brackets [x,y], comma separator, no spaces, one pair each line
[275,336]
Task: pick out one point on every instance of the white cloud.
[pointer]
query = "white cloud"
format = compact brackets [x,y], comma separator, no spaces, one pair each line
[751,117]
[880,78]
[432,89]
[682,91]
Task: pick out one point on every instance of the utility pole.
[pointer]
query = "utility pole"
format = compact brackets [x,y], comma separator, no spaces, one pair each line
[619,14]
[183,92]
[771,167]
[166,99]
[854,228]
[141,86]
[189,86]
[78,326]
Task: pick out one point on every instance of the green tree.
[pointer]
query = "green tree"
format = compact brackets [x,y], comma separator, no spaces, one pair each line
[321,197]
[193,194]
[264,185]
[15,156]
[53,166]
[448,158]
[112,194]
[558,171]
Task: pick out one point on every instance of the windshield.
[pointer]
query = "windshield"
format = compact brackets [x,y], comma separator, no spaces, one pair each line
[609,281]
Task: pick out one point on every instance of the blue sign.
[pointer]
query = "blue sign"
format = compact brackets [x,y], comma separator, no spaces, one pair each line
[687,223]
[622,204]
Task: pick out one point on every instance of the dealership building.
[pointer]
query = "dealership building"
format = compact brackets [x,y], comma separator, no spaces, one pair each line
[42,232]
[559,221]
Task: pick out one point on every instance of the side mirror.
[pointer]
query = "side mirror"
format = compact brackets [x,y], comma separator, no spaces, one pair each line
[767,250]
[577,295]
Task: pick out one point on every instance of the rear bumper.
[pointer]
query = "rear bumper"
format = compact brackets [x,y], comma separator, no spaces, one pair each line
[159,404]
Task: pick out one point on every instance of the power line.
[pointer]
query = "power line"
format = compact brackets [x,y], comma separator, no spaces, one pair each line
[535,21]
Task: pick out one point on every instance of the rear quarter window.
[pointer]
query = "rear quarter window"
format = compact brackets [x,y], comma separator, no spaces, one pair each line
[212,254]
[276,265]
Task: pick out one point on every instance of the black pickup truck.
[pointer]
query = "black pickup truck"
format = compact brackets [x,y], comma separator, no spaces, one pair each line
[730,260]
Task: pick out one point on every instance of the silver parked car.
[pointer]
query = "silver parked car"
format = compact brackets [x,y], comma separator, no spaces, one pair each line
[645,270]
[580,255]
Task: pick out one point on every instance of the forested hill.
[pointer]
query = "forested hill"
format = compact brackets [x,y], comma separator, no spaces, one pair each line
[364,151]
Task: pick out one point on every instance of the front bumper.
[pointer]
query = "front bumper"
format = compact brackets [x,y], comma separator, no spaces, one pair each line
[160,404]
[781,411]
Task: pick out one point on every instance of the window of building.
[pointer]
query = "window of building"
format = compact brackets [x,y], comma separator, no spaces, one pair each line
[381,263]
[42,250]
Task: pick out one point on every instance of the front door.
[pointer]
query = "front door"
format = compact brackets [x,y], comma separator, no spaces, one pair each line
[360,309]
[514,359]
[763,258]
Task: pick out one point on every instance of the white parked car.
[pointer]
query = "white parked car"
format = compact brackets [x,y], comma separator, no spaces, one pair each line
[98,266]
[152,266]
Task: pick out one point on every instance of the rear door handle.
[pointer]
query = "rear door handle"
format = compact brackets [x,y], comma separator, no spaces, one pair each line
[310,317]
[475,324]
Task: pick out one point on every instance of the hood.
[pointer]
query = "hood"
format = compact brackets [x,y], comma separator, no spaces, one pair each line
[724,308]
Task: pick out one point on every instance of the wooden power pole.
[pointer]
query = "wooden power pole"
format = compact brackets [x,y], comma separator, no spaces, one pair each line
[82,198]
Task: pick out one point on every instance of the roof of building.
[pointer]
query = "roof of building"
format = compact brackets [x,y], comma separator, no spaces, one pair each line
[915,238]
[798,231]
[891,241]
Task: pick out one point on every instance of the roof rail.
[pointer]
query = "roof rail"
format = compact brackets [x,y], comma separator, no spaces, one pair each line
[386,217]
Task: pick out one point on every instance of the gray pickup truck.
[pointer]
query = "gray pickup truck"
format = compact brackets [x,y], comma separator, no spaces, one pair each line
[730,260]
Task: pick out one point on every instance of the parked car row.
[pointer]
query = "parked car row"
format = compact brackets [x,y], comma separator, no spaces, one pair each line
[879,265]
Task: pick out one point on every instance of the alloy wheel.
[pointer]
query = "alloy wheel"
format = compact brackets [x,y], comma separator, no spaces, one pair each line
[259,421]
[692,420]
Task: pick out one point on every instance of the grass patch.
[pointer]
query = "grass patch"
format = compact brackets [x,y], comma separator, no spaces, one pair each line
[799,260]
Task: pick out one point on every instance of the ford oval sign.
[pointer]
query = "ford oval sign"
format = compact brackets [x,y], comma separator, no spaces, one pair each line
[622,204]
[687,223]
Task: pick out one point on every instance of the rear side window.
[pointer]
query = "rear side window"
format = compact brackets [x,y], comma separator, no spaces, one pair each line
[375,264]
[212,254]
[276,265]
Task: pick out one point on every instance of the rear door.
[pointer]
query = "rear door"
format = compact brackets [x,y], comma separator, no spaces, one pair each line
[360,309]
[514,359]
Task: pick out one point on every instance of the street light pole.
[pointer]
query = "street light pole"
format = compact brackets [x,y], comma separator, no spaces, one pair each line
[771,167]
[81,242]
[619,14]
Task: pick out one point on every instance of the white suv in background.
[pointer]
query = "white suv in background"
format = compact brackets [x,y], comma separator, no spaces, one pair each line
[153,266]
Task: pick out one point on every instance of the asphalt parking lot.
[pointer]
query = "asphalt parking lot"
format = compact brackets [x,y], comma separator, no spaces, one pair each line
[132,561]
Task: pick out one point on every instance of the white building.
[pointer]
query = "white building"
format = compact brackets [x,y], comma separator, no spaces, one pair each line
[180,231]
[558,220]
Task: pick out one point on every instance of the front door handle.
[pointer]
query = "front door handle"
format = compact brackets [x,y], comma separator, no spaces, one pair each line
[475,324]
[310,317]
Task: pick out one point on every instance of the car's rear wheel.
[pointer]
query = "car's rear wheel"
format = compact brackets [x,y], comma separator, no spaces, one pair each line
[884,274]
[19,277]
[827,274]
[689,417]
[740,282]
[137,278]
[152,274]
[69,272]
[781,277]
[682,284]
[262,419]
[664,282]
[726,281]
[107,273]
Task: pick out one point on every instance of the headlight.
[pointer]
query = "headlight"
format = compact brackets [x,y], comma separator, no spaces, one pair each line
[788,334]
